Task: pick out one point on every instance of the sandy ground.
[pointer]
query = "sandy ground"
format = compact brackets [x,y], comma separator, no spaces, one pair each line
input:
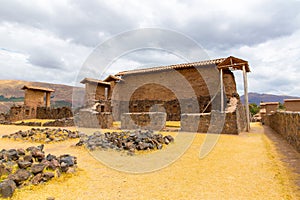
[239,167]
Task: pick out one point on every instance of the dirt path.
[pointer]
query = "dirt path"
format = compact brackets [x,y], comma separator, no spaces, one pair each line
[239,167]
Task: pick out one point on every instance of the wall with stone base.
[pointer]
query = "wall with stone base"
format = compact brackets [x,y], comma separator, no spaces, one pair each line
[18,113]
[286,124]
[214,122]
[90,119]
[145,120]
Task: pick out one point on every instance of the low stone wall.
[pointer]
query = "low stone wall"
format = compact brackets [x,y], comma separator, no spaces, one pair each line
[90,119]
[286,124]
[214,122]
[18,113]
[144,120]
[53,113]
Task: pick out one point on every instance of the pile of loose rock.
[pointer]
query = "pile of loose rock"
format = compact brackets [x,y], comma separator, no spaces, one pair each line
[129,141]
[60,122]
[22,167]
[45,135]
[22,123]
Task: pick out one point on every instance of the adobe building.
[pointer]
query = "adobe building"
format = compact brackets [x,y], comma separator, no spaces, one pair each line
[267,108]
[34,98]
[292,105]
[37,96]
[175,89]
[271,107]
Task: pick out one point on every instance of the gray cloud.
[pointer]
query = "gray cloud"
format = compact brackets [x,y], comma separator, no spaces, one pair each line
[57,36]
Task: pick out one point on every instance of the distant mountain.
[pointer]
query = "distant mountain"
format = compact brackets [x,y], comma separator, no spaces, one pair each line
[257,98]
[11,93]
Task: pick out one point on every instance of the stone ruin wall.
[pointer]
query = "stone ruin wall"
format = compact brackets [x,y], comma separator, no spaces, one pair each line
[53,113]
[233,123]
[287,124]
[88,119]
[160,88]
[18,113]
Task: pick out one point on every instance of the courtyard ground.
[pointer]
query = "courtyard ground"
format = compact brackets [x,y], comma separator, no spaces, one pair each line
[247,166]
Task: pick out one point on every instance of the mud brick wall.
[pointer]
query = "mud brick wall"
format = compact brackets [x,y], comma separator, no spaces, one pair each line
[145,120]
[286,124]
[89,119]
[139,92]
[53,113]
[34,98]
[200,122]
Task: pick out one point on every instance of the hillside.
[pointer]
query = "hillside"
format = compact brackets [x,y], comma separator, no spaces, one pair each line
[11,93]
[257,98]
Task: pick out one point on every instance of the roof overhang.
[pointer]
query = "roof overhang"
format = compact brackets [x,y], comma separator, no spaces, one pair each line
[233,63]
[94,81]
[26,87]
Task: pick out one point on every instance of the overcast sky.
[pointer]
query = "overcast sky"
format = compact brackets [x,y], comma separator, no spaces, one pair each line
[50,40]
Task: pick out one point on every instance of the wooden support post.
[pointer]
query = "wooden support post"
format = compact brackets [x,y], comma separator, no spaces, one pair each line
[222,90]
[246,98]
[47,99]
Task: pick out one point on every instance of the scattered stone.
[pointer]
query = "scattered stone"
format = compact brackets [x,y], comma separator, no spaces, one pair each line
[28,158]
[50,198]
[21,152]
[47,176]
[12,154]
[20,176]
[7,188]
[129,141]
[4,170]
[37,168]
[23,167]
[36,179]
[45,135]
[24,164]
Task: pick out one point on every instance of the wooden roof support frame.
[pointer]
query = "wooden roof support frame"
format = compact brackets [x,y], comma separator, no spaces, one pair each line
[232,63]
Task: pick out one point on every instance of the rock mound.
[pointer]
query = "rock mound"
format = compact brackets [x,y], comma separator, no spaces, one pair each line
[45,135]
[20,167]
[128,141]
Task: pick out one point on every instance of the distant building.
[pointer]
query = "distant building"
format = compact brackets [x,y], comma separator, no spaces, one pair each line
[37,96]
[292,105]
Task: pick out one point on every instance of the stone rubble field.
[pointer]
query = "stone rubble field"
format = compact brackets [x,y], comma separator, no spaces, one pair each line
[244,166]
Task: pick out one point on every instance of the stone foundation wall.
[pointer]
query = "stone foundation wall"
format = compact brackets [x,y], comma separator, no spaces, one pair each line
[144,120]
[172,108]
[286,124]
[17,113]
[53,113]
[90,119]
[214,122]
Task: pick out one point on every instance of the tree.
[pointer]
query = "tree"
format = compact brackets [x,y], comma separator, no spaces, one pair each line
[254,109]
